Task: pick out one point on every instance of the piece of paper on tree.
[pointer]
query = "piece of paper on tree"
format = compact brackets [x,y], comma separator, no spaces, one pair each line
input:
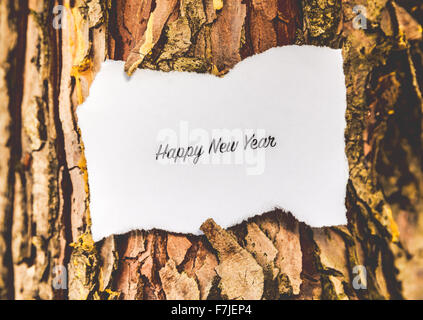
[170,150]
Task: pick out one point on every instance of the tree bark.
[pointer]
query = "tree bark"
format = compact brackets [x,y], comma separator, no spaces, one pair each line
[45,73]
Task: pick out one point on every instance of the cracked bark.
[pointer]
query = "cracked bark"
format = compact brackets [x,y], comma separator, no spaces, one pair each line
[44,195]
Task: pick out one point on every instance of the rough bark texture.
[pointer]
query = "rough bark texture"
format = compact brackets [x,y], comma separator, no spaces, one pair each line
[44,196]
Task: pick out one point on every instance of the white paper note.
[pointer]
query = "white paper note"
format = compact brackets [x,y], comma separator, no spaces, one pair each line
[154,143]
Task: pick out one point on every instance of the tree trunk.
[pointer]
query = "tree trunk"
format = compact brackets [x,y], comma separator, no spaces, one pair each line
[46,72]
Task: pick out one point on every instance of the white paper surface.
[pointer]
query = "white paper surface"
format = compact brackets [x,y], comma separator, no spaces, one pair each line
[296,95]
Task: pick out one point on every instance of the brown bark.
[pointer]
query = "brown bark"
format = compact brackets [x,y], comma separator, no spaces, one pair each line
[44,195]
